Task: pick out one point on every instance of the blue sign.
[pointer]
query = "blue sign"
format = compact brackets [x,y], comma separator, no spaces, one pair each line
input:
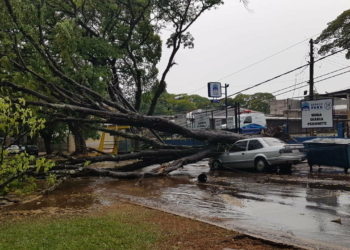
[305,106]
[214,89]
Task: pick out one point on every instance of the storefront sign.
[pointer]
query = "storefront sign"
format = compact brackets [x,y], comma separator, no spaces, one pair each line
[317,113]
[201,122]
[214,89]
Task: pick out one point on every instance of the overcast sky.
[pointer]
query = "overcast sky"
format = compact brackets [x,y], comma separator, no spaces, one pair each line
[231,38]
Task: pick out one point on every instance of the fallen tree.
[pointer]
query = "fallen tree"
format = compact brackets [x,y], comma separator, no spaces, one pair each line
[89,65]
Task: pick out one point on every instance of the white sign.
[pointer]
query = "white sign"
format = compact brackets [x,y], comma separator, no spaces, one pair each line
[229,123]
[201,122]
[317,113]
[214,89]
[218,123]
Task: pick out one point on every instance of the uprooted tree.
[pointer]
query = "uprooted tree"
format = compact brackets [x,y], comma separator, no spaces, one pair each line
[87,63]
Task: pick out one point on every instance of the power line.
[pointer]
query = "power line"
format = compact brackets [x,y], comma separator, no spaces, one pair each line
[288,72]
[293,89]
[258,61]
[315,82]
[267,58]
[314,78]
[332,54]
[334,62]
[256,85]
[333,76]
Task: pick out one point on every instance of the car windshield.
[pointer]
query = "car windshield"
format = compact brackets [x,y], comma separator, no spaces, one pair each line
[273,141]
[31,146]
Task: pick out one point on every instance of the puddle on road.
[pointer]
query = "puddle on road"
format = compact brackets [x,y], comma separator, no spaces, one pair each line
[72,194]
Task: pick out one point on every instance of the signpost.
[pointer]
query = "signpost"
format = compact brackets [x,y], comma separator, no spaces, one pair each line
[214,89]
[317,113]
[229,123]
[201,122]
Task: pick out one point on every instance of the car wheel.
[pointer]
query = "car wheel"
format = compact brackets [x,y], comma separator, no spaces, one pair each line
[215,165]
[261,164]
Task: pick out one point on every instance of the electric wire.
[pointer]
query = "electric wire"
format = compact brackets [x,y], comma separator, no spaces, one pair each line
[332,76]
[315,82]
[251,65]
[308,81]
[288,72]
[267,57]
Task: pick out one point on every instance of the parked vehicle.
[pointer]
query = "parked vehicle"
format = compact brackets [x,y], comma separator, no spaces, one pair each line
[249,123]
[13,149]
[30,149]
[259,153]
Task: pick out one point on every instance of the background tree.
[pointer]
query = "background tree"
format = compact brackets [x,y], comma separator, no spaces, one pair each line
[170,104]
[336,35]
[258,101]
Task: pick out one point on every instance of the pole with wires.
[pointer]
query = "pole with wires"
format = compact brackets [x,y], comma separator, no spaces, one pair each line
[226,86]
[311,80]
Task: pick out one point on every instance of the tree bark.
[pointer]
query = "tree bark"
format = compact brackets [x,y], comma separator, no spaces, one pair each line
[146,154]
[79,140]
[47,143]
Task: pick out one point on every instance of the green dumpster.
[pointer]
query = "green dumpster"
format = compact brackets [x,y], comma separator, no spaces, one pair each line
[334,152]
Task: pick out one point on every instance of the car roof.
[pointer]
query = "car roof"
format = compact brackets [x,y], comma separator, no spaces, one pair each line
[249,139]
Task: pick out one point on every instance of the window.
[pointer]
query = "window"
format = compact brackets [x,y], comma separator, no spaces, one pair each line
[254,144]
[248,119]
[239,146]
[273,141]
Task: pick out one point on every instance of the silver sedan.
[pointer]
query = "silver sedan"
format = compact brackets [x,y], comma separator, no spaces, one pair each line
[259,153]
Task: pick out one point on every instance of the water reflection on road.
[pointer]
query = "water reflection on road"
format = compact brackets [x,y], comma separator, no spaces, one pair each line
[296,208]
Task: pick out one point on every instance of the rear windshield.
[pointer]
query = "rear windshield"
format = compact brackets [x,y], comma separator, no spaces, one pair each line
[273,141]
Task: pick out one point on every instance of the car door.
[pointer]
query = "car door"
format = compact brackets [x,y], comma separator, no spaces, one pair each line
[254,147]
[236,157]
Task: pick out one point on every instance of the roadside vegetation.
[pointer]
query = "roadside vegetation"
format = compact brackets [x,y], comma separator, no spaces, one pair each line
[121,226]
[17,173]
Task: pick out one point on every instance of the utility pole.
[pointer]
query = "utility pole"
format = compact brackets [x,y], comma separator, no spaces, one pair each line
[311,81]
[226,86]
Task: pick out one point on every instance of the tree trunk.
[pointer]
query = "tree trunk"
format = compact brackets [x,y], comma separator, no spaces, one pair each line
[79,139]
[47,142]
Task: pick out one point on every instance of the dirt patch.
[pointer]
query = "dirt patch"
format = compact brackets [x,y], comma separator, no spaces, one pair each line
[183,233]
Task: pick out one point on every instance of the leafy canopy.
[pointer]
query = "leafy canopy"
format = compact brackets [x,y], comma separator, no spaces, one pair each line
[336,35]
[258,101]
[16,172]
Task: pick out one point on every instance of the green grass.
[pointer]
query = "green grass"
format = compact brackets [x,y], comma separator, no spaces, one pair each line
[104,232]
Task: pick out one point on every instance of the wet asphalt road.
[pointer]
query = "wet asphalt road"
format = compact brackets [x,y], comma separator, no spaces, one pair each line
[295,208]
[311,210]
